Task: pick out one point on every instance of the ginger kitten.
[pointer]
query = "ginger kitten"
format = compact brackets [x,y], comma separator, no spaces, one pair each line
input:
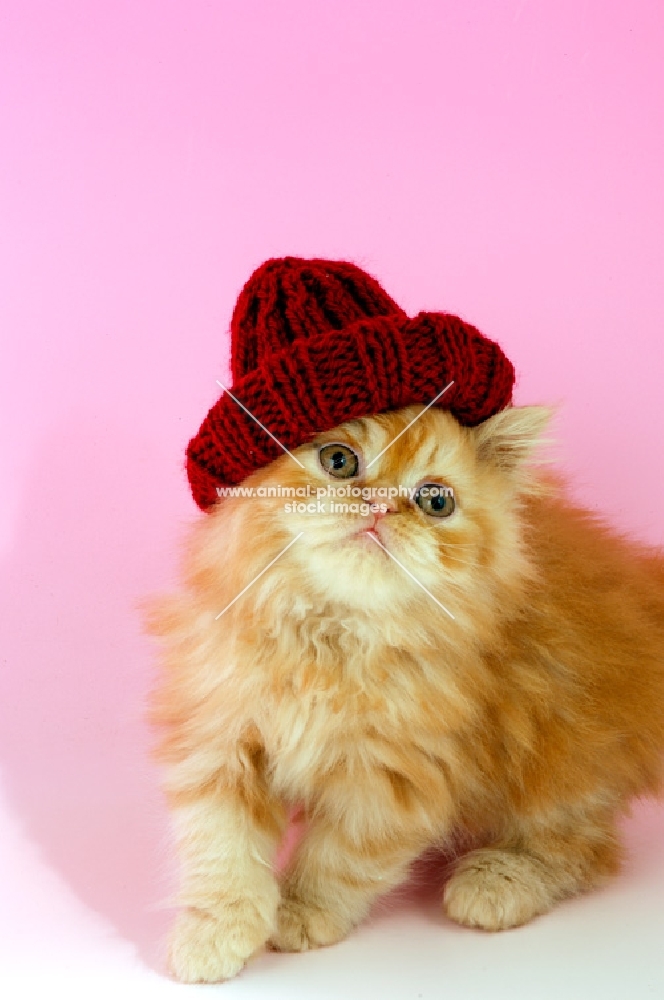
[527,720]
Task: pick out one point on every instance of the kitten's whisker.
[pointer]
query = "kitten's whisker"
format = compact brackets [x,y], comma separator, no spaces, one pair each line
[413,578]
[258,576]
[459,564]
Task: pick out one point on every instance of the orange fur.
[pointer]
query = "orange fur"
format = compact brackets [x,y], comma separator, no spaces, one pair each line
[527,722]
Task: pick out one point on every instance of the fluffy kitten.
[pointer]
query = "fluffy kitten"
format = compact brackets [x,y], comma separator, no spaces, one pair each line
[527,720]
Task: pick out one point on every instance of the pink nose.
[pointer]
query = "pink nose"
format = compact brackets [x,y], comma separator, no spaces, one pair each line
[377,514]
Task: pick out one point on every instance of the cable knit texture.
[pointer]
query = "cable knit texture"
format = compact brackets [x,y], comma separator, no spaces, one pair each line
[317,342]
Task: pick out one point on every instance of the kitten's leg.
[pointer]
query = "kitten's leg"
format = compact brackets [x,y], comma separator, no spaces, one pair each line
[335,877]
[525,874]
[227,834]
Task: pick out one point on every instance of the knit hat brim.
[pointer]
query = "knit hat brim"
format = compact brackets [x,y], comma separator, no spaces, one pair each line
[370,366]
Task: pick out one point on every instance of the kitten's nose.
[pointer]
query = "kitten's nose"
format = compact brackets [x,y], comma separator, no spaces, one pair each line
[377,514]
[373,518]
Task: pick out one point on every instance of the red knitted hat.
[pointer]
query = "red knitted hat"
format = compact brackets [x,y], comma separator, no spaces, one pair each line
[317,342]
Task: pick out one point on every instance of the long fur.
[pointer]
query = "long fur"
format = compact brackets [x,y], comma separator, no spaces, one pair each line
[527,721]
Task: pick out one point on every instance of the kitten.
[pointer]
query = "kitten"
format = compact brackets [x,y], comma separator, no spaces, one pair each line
[340,682]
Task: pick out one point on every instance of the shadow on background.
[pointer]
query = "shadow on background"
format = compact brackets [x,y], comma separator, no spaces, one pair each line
[73,746]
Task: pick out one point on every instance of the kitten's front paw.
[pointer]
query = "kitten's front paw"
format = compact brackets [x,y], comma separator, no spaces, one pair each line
[495,890]
[301,926]
[208,948]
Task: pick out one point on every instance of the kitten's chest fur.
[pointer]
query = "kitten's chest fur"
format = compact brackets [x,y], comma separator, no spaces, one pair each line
[338,696]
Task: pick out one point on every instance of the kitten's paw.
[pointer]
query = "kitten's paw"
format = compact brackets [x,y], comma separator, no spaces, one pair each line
[208,948]
[301,926]
[495,889]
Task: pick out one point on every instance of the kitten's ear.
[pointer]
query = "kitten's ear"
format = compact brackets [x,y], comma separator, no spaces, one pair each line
[509,437]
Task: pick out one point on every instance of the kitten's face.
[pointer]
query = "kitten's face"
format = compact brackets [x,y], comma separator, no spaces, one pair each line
[448,542]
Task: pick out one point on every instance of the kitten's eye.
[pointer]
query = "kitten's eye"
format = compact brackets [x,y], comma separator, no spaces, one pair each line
[436,500]
[339,460]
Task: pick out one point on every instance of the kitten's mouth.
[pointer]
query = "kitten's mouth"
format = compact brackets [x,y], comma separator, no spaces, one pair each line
[369,537]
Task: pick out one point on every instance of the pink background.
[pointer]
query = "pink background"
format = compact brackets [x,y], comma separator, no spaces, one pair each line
[504,161]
